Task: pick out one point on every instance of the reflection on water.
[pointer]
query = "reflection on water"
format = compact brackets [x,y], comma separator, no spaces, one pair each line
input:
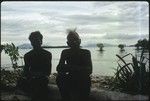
[121,51]
[101,53]
[103,62]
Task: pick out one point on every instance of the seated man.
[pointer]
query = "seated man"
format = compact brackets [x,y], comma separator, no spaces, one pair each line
[74,70]
[37,68]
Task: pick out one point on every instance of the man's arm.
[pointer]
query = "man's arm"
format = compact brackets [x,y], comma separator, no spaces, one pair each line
[50,64]
[89,62]
[26,67]
[62,67]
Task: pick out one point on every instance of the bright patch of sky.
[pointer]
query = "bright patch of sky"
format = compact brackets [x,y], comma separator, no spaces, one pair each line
[108,22]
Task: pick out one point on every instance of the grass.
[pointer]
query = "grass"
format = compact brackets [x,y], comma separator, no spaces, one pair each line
[132,77]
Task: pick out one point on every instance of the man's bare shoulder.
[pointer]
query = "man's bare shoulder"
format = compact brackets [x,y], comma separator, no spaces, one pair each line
[28,53]
[46,52]
[85,51]
[66,50]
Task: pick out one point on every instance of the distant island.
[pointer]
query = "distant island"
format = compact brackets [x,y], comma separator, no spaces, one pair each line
[25,46]
[28,46]
[55,46]
[94,45]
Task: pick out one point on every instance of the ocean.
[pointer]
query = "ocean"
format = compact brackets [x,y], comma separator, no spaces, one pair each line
[104,63]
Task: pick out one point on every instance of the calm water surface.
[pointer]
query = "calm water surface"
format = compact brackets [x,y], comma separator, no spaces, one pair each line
[103,62]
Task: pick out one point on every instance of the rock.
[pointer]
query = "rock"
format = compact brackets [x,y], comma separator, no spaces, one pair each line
[14,97]
[95,95]
[100,94]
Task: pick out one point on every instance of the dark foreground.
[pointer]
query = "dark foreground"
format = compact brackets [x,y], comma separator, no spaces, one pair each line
[96,95]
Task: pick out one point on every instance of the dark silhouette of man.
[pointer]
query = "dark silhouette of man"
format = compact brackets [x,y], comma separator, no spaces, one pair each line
[74,70]
[37,68]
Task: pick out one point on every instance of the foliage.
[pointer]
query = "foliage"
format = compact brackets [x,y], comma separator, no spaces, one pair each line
[132,77]
[9,78]
[100,45]
[144,44]
[13,53]
[121,46]
[1,48]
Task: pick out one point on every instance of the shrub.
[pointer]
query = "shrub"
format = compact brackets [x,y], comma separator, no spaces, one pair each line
[132,77]
[13,53]
[9,78]
[100,46]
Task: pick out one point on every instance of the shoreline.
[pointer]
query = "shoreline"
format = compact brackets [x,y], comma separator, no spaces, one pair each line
[95,95]
[97,81]
[100,89]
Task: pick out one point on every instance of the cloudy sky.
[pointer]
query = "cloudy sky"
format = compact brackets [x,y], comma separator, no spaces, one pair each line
[106,22]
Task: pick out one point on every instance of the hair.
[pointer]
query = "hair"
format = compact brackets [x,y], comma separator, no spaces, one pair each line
[73,39]
[72,34]
[35,35]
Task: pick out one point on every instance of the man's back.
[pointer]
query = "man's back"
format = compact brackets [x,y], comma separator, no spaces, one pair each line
[77,57]
[79,61]
[74,69]
[38,62]
[37,68]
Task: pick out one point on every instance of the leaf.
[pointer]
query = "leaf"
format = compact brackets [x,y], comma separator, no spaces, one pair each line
[135,64]
[142,54]
[127,55]
[121,59]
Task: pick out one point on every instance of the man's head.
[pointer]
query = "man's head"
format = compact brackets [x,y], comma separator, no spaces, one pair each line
[73,39]
[36,39]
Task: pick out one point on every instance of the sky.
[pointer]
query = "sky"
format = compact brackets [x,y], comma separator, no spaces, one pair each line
[114,22]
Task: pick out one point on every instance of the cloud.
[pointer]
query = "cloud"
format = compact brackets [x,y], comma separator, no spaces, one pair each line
[122,36]
[92,19]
